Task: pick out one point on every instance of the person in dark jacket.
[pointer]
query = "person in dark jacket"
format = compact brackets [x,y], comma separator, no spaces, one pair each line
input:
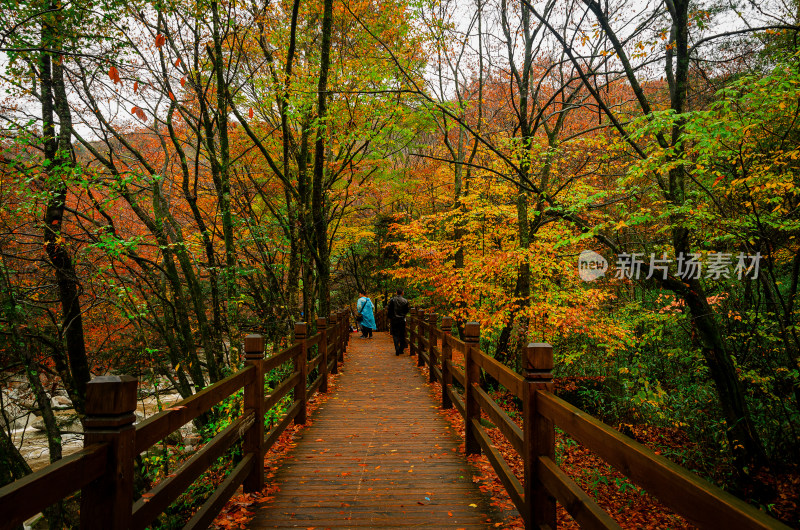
[396,313]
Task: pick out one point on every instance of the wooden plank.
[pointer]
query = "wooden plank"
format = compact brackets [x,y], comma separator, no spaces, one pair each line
[313,340]
[281,390]
[579,505]
[504,375]
[456,344]
[458,373]
[274,433]
[437,373]
[510,430]
[159,426]
[158,499]
[510,482]
[31,494]
[699,501]
[376,455]
[282,357]
[206,514]
[314,362]
[458,402]
[315,386]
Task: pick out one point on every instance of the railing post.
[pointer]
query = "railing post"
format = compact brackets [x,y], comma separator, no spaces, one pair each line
[472,373]
[420,335]
[538,435]
[412,321]
[447,356]
[433,339]
[344,332]
[301,365]
[106,503]
[322,325]
[254,400]
[333,338]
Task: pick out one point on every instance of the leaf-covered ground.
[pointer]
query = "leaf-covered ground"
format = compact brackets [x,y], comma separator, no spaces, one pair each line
[240,509]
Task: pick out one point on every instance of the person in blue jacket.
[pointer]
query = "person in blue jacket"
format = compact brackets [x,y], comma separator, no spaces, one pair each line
[365,308]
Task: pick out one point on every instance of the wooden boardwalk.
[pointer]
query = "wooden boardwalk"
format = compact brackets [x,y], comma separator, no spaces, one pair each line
[377,455]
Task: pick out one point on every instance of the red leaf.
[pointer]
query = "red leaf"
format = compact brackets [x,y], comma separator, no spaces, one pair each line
[183,81]
[171,95]
[177,62]
[160,40]
[135,86]
[113,73]
[250,113]
[717,181]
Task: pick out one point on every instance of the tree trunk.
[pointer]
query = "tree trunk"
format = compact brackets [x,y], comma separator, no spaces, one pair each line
[58,154]
[318,203]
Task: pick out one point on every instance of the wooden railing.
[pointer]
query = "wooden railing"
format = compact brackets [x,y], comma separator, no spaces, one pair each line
[104,470]
[544,483]
[380,320]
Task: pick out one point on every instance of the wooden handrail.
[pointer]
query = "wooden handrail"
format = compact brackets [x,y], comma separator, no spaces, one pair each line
[103,470]
[150,506]
[160,425]
[33,493]
[699,501]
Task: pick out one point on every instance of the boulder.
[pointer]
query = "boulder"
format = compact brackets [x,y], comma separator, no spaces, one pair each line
[175,438]
[60,402]
[12,415]
[67,420]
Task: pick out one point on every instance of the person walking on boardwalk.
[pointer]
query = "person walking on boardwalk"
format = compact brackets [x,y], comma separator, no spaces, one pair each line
[365,308]
[396,313]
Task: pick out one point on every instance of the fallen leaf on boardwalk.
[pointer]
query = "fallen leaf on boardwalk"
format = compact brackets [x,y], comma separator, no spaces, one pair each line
[450,514]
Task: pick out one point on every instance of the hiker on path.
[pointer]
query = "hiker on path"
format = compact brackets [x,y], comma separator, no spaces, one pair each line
[364,308]
[396,313]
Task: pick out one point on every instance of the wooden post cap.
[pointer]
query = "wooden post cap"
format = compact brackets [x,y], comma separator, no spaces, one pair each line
[538,356]
[111,395]
[322,323]
[332,317]
[433,318]
[300,329]
[412,310]
[447,324]
[254,346]
[472,331]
